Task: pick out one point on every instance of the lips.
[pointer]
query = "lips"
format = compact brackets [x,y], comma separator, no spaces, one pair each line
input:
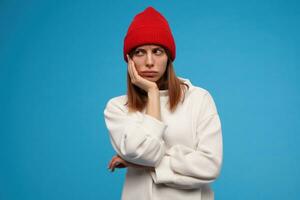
[149,72]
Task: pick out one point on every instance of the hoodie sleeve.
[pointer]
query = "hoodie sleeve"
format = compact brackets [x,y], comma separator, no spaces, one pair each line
[188,168]
[135,139]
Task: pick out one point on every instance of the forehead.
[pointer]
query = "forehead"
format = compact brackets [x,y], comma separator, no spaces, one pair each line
[149,46]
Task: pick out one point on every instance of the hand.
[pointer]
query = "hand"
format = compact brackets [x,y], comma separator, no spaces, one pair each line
[118,162]
[136,79]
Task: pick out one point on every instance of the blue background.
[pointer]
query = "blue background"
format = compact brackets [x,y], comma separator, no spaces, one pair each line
[61,61]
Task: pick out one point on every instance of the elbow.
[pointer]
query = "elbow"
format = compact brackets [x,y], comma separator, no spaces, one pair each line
[215,170]
[129,148]
[214,174]
[144,151]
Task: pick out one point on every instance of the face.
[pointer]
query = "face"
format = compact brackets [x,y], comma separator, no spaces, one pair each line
[150,61]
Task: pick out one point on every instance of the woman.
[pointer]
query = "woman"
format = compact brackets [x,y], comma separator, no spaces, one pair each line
[165,131]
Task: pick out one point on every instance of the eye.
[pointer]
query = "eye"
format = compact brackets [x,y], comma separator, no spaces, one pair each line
[158,51]
[138,52]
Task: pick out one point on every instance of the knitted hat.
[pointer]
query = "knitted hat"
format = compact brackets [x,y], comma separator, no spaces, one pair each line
[149,27]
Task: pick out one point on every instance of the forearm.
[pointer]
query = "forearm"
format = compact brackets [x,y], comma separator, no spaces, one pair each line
[153,109]
[153,104]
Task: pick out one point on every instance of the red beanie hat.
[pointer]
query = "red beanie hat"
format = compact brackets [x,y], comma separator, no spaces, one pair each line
[149,27]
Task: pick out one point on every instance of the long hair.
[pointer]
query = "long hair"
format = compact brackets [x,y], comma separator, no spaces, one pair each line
[137,97]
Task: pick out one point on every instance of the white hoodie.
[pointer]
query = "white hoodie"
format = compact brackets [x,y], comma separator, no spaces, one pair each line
[185,147]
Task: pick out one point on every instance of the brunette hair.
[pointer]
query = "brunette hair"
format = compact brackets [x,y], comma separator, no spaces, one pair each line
[137,97]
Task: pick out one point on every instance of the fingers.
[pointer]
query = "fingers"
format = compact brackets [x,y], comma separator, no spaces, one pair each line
[135,73]
[116,162]
[136,79]
[114,166]
[111,163]
[130,68]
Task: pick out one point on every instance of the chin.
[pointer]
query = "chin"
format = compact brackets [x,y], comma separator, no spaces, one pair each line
[154,79]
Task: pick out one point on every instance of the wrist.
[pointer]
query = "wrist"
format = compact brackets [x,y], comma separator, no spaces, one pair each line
[153,89]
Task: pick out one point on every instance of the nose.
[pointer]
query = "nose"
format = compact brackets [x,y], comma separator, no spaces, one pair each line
[149,60]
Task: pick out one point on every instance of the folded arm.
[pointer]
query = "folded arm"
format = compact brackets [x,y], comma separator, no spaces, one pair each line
[188,168]
[136,140]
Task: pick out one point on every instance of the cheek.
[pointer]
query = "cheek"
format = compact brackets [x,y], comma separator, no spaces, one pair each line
[138,68]
[138,65]
[163,65]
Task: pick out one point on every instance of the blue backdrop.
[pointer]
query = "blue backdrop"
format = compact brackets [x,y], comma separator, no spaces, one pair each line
[61,61]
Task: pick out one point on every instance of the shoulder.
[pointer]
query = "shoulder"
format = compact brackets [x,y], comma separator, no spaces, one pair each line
[205,102]
[199,91]
[202,93]
[198,96]
[118,102]
[195,91]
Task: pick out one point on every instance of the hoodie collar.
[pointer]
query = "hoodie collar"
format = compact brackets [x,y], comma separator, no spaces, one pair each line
[187,81]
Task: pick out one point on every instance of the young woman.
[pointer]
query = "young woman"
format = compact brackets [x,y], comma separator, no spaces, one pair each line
[165,131]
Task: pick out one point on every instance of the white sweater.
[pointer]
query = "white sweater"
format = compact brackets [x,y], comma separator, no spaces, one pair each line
[185,148]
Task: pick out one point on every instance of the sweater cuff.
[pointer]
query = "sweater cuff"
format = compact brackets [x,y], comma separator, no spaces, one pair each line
[153,125]
[163,172]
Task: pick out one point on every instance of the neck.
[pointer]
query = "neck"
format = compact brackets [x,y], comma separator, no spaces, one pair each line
[162,84]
